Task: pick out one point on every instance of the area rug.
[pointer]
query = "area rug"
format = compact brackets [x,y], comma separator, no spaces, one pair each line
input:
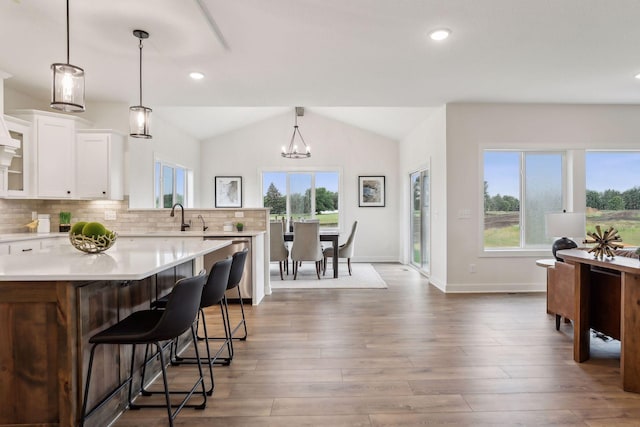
[364,277]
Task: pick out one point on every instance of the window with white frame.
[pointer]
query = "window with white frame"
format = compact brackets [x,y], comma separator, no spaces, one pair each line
[171,184]
[519,188]
[613,193]
[303,195]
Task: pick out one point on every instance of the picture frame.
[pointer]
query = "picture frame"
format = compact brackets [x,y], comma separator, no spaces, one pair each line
[228,191]
[371,191]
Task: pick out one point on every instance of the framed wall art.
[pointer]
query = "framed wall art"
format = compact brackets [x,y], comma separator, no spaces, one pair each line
[371,191]
[228,191]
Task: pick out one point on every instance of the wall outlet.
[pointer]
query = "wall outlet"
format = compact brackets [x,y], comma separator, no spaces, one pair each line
[240,214]
[109,215]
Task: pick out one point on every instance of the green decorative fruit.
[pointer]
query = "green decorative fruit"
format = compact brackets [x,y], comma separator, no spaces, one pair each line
[94,230]
[77,227]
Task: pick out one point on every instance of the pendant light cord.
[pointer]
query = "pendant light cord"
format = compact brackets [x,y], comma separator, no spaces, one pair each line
[68,62]
[140,71]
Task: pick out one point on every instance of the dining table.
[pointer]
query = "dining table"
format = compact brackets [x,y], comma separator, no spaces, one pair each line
[325,236]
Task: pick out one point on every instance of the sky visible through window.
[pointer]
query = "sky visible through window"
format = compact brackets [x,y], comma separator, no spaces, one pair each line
[502,173]
[612,170]
[605,170]
[279,179]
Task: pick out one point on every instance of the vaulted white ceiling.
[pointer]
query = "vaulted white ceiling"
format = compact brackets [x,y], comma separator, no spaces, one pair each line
[325,54]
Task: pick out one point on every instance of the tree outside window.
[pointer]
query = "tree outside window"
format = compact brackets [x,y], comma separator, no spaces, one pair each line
[613,193]
[519,188]
[170,185]
[302,195]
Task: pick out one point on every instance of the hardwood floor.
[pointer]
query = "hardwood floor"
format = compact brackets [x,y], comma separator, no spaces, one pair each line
[405,356]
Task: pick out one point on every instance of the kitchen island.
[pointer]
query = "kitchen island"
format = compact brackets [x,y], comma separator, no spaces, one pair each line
[255,282]
[54,299]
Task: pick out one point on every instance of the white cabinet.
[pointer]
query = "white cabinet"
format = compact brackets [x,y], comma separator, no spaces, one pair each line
[30,246]
[24,247]
[53,152]
[18,178]
[54,146]
[68,161]
[99,165]
[53,242]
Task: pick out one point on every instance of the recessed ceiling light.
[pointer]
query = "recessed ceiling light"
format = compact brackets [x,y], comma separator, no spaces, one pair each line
[439,34]
[637,76]
[196,75]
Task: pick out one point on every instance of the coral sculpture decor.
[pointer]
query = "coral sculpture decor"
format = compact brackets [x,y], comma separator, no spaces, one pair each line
[605,242]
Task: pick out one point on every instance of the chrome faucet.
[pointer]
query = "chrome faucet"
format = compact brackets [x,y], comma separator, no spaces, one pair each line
[204,227]
[183,226]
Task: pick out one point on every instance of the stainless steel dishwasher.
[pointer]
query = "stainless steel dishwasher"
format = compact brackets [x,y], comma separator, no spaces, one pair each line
[236,245]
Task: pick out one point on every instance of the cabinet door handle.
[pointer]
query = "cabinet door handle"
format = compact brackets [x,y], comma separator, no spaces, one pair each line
[68,191]
[27,250]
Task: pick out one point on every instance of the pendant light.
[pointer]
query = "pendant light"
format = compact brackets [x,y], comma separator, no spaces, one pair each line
[139,115]
[67,89]
[292,151]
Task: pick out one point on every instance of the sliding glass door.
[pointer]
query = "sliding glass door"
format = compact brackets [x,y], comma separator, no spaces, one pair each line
[419,221]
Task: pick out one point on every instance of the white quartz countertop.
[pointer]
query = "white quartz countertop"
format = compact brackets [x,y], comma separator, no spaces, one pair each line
[127,259]
[16,237]
[193,233]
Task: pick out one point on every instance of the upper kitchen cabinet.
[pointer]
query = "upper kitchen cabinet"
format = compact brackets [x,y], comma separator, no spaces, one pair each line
[53,152]
[99,164]
[18,172]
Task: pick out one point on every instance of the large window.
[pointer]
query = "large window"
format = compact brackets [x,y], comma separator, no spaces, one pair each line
[171,185]
[613,192]
[302,195]
[519,188]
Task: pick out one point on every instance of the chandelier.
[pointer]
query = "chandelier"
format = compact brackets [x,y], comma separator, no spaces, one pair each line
[292,152]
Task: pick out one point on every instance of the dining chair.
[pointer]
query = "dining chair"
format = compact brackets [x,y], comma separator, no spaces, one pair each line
[344,251]
[306,246]
[278,249]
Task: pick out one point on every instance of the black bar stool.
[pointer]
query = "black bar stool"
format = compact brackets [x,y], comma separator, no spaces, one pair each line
[151,327]
[237,268]
[212,294]
[235,276]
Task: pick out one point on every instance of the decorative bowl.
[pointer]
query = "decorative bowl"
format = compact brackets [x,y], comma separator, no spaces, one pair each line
[92,245]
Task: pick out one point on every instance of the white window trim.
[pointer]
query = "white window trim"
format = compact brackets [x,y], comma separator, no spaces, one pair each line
[566,200]
[189,181]
[313,170]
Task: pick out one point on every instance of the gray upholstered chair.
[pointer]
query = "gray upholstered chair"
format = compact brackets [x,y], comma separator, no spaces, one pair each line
[278,249]
[306,246]
[344,251]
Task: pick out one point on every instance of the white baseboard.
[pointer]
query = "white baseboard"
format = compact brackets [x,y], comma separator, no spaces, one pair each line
[372,259]
[494,287]
[437,283]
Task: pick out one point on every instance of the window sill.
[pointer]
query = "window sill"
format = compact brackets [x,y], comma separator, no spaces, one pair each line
[515,253]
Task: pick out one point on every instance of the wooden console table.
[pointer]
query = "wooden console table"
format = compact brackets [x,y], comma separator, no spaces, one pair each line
[629,269]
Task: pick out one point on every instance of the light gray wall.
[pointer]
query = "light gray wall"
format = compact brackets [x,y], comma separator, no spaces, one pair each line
[425,147]
[472,127]
[334,145]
